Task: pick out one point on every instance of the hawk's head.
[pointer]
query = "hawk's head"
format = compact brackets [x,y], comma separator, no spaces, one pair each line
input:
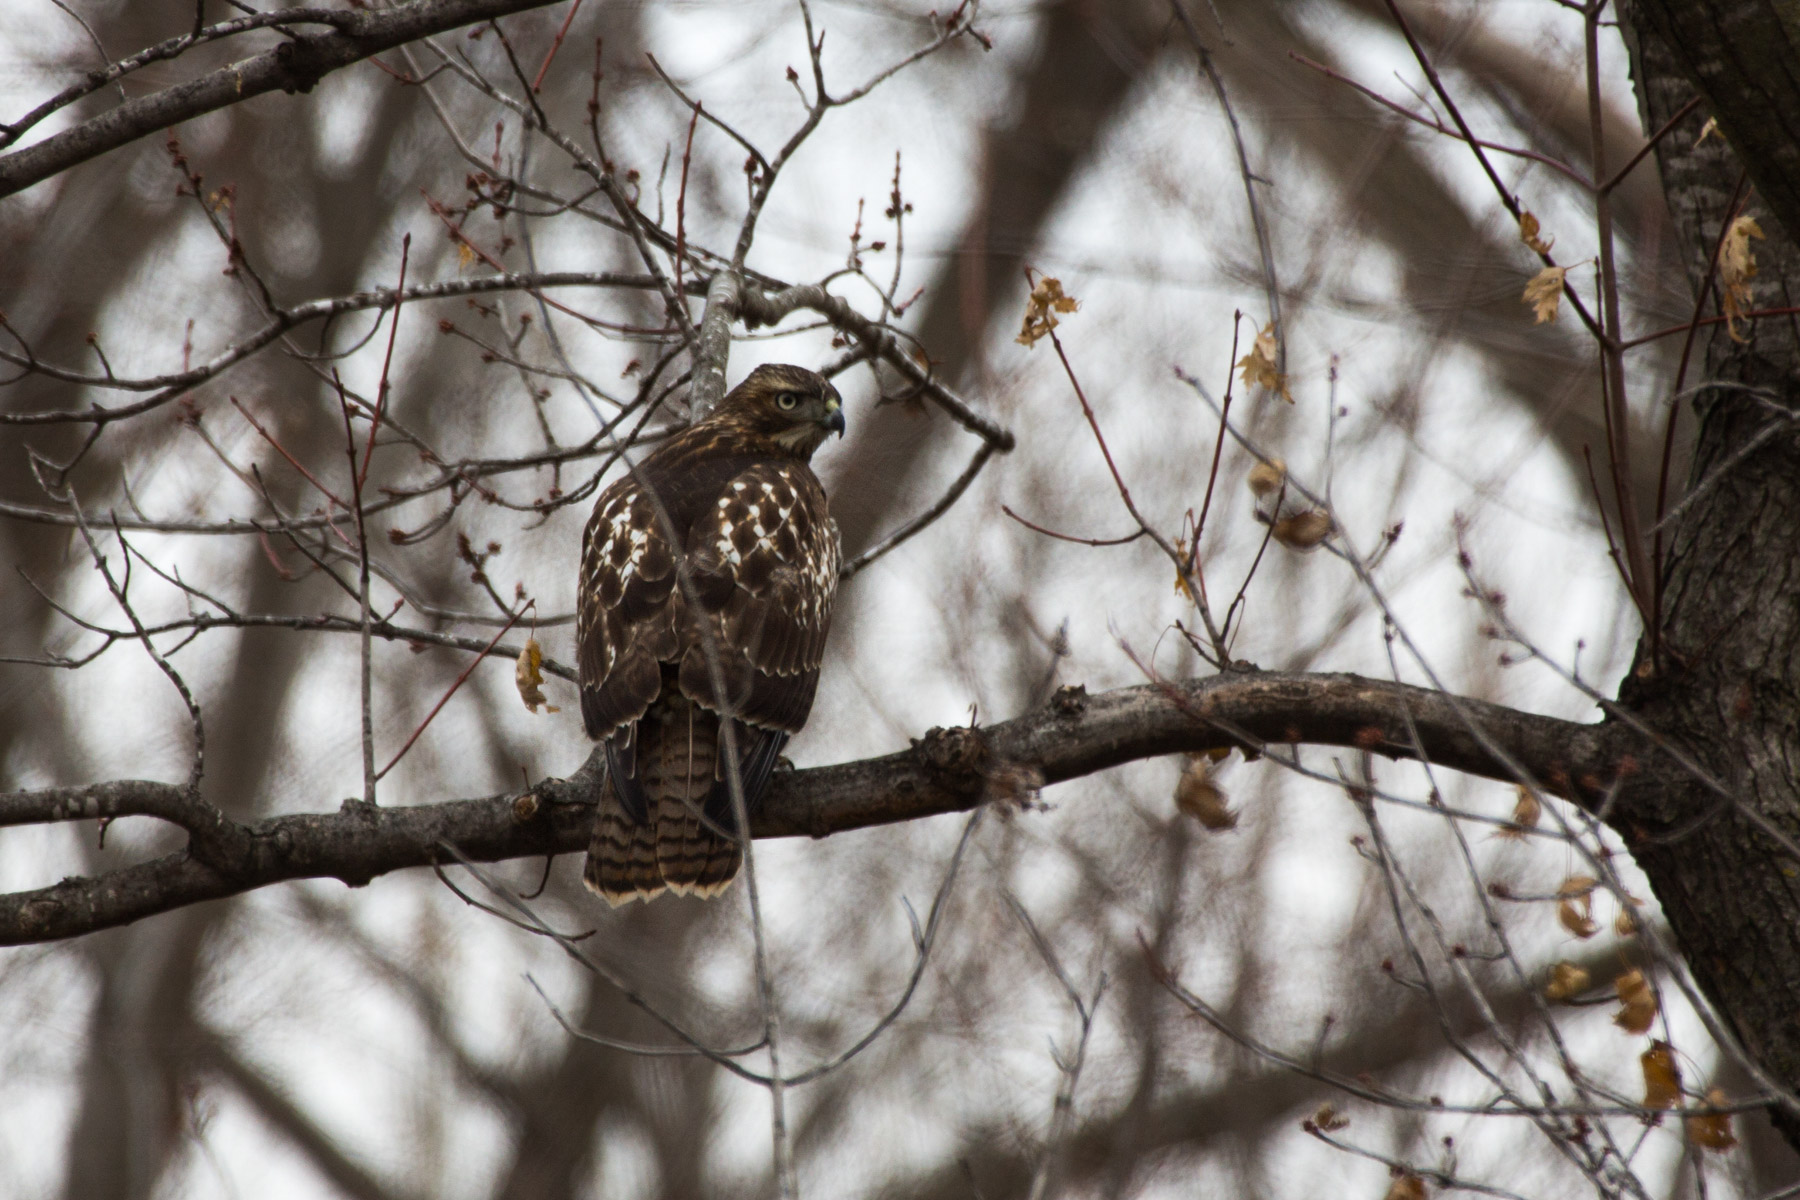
[790,406]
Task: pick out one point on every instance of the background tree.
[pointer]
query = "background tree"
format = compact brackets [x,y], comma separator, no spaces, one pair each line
[281,531]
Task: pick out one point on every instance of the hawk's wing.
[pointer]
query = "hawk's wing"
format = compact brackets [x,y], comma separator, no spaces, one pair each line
[624,618]
[762,558]
[764,562]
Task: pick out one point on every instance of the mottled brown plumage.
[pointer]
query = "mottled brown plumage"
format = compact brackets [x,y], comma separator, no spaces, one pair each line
[732,500]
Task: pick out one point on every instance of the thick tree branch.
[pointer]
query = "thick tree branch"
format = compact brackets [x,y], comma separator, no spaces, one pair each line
[948,770]
[294,65]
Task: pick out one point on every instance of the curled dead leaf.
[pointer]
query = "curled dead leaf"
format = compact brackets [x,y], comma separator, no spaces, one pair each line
[1566,982]
[1577,917]
[1046,300]
[1637,1000]
[528,673]
[1712,1131]
[1544,293]
[1329,1119]
[1737,267]
[1266,478]
[1303,530]
[1528,233]
[1662,1078]
[1527,810]
[1200,797]
[1257,368]
[1576,909]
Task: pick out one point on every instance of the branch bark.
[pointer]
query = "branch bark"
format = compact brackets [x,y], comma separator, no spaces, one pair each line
[948,770]
[294,65]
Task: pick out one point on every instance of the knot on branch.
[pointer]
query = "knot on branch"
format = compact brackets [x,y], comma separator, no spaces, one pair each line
[958,752]
[303,63]
[960,760]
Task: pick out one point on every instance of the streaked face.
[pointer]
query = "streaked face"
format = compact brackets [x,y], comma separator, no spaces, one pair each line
[795,408]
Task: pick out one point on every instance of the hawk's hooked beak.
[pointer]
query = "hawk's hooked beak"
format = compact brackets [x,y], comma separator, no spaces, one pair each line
[834,417]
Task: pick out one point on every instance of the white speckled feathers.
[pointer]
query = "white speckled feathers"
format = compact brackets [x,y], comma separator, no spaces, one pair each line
[762,558]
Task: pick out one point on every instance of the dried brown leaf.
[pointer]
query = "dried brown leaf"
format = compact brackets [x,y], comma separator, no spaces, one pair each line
[529,675]
[1200,797]
[1566,982]
[1576,910]
[1544,293]
[1266,478]
[1257,368]
[1329,1119]
[1046,300]
[1527,810]
[1713,1131]
[1637,1000]
[1662,1078]
[1406,1187]
[1737,267]
[1528,233]
[1303,530]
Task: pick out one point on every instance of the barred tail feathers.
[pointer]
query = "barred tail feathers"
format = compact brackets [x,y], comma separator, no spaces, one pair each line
[676,762]
[621,858]
[679,770]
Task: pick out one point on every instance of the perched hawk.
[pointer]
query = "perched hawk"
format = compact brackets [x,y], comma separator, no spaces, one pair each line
[731,503]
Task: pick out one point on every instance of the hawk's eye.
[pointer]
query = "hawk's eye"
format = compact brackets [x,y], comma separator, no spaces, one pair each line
[787,401]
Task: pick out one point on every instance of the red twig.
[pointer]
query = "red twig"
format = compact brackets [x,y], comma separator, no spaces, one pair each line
[1087,410]
[1704,321]
[1462,134]
[455,230]
[1618,176]
[1069,537]
[282,450]
[445,699]
[1185,571]
[1612,547]
[1437,126]
[538,83]
[1218,445]
[1631,540]
[381,389]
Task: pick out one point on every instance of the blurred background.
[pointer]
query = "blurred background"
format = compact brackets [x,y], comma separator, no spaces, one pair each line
[387,1041]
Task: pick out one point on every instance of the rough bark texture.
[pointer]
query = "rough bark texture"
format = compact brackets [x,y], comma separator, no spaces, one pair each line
[1726,686]
[948,770]
[1744,56]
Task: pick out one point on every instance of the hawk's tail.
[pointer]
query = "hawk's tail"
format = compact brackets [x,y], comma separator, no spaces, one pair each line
[676,759]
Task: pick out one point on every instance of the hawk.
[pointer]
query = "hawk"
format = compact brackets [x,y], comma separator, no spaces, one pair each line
[730,503]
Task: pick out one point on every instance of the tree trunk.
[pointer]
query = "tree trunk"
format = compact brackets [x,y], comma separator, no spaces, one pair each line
[1723,686]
